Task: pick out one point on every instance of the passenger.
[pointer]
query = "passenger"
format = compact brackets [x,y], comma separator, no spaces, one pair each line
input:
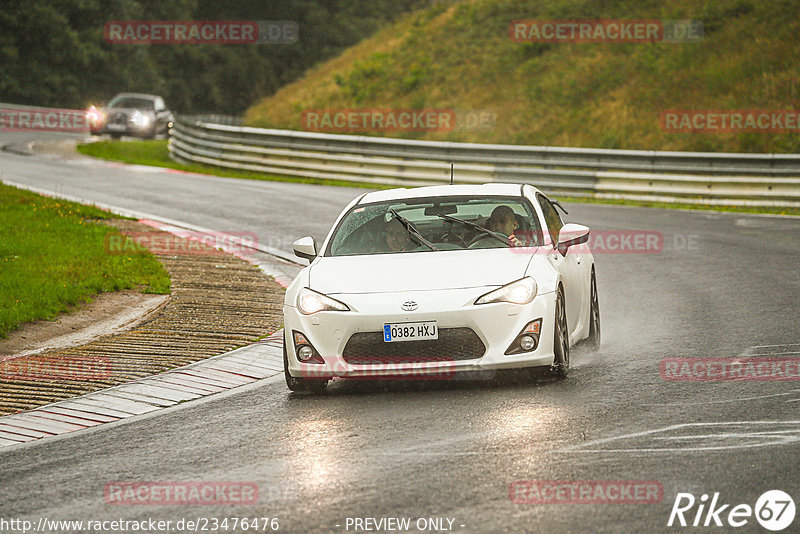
[503,221]
[397,237]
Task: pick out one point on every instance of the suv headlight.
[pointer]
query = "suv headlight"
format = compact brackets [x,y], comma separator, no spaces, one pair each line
[520,292]
[309,302]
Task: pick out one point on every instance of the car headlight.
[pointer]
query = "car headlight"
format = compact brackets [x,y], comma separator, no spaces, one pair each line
[309,302]
[139,119]
[94,116]
[520,292]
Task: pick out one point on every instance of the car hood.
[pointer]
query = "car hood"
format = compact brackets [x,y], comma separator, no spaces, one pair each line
[129,111]
[418,271]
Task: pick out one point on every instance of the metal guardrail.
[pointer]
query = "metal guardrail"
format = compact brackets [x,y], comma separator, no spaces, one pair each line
[213,118]
[689,177]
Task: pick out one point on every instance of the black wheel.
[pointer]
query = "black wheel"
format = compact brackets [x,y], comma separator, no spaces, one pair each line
[594,316]
[560,366]
[116,136]
[313,385]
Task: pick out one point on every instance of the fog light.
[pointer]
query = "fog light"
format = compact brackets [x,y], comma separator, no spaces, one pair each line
[527,342]
[305,353]
[304,350]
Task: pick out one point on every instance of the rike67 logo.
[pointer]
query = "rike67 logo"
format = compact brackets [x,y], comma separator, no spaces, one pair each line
[774,510]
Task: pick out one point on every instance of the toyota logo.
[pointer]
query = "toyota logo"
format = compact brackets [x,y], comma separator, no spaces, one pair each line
[409,305]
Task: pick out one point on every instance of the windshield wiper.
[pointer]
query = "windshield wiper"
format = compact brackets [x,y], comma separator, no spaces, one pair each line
[412,230]
[471,224]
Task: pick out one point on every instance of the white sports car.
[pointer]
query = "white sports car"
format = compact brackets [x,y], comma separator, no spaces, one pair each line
[434,281]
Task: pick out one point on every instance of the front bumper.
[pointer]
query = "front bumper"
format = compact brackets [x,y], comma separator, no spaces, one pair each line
[127,130]
[497,325]
[122,123]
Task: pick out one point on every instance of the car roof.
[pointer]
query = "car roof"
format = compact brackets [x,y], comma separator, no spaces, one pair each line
[136,95]
[493,189]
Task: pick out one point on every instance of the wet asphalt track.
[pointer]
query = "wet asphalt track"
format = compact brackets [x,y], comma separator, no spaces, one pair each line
[724,285]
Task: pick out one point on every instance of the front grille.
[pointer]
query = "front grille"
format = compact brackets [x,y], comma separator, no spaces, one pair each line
[368,348]
[119,118]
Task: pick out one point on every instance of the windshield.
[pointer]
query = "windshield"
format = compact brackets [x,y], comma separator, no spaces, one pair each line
[434,224]
[130,102]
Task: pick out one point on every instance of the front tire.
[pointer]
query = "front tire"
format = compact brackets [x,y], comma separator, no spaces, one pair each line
[594,316]
[301,385]
[560,366]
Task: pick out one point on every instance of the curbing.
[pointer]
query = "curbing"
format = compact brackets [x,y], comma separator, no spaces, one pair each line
[241,366]
[238,367]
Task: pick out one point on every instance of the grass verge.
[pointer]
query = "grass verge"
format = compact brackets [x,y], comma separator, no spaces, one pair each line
[53,256]
[155,153]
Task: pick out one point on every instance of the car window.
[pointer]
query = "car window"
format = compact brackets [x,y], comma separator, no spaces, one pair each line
[551,218]
[442,221]
[132,103]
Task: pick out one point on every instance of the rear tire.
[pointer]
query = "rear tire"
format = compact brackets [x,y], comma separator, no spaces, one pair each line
[301,385]
[594,316]
[560,366]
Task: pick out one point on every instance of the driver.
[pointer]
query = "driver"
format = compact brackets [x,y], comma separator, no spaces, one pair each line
[503,221]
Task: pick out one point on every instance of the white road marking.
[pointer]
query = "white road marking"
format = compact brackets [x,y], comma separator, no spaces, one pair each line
[738,399]
[749,439]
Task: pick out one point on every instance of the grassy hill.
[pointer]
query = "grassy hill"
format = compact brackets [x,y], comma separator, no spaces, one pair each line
[458,55]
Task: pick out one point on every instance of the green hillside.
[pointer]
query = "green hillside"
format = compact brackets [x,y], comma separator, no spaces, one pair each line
[54,53]
[458,55]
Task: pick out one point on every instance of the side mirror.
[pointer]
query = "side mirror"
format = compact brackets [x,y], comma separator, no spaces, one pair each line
[572,234]
[305,248]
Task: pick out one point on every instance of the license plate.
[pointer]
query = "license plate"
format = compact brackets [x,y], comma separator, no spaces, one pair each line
[117,127]
[410,331]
